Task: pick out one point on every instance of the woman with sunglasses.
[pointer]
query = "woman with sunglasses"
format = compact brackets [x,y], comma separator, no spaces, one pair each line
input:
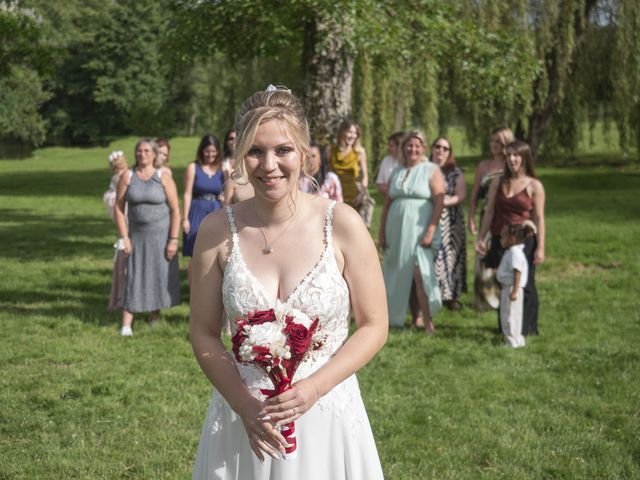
[451,261]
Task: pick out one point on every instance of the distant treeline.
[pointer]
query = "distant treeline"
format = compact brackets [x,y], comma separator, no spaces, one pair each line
[86,71]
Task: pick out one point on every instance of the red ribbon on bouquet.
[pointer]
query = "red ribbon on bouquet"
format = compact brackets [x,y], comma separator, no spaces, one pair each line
[282,384]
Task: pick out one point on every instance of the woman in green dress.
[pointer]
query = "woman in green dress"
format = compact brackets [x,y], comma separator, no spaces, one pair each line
[409,232]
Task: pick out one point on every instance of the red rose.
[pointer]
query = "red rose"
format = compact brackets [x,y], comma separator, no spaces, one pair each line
[261,316]
[236,342]
[298,338]
[262,354]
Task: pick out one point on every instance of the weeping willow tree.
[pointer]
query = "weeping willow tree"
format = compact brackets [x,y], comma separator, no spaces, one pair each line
[626,73]
[586,58]
[427,64]
[529,64]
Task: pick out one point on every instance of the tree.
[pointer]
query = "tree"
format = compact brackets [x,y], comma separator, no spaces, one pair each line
[24,58]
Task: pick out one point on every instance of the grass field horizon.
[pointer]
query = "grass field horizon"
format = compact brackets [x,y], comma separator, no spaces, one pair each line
[79,401]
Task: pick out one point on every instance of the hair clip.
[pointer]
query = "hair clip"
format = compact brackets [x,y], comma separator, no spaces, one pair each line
[277,88]
[115,154]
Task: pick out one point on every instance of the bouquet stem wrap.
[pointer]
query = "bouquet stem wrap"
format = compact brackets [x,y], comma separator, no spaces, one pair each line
[288,431]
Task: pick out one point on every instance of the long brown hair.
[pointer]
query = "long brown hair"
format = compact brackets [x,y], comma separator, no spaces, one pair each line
[522,148]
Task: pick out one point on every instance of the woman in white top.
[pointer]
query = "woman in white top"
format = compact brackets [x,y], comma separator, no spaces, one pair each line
[391,161]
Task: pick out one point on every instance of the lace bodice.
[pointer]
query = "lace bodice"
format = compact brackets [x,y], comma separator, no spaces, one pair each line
[323,293]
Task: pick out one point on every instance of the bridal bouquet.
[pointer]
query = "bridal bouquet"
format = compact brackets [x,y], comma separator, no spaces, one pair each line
[277,341]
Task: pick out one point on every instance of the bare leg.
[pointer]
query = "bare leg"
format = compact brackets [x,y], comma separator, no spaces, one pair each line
[127,320]
[414,306]
[423,301]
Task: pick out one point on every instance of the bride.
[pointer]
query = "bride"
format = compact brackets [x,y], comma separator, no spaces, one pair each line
[285,248]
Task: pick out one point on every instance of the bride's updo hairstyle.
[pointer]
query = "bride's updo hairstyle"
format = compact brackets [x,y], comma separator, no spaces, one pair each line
[276,103]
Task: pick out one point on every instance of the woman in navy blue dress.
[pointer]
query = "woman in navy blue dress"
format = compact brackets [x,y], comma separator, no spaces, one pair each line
[206,188]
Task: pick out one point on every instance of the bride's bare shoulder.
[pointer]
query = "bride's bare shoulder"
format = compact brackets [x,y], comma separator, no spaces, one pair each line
[347,223]
[214,230]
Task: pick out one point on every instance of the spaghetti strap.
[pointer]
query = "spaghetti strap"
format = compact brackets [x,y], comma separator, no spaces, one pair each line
[328,226]
[232,226]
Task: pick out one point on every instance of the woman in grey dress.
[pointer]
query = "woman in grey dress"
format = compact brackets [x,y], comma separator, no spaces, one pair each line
[150,238]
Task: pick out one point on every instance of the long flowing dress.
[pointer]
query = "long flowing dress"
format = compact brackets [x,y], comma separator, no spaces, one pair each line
[409,214]
[118,278]
[153,282]
[486,289]
[451,262]
[206,192]
[347,167]
[334,437]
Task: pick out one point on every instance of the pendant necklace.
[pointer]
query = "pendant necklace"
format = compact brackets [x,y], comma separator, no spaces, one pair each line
[268,246]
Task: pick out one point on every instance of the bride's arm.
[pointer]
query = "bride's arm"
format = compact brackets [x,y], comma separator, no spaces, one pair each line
[205,325]
[368,298]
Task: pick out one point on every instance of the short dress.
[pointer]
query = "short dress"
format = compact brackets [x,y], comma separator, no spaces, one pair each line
[206,199]
[153,282]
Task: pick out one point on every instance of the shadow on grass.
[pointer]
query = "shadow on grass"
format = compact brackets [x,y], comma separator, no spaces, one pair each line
[30,236]
[461,331]
[80,296]
[90,183]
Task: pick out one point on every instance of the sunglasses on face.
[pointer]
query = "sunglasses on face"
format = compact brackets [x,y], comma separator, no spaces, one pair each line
[441,147]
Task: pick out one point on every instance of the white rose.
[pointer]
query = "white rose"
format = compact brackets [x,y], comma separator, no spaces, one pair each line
[282,310]
[266,334]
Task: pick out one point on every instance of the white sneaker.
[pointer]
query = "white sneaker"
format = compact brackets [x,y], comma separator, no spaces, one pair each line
[126,331]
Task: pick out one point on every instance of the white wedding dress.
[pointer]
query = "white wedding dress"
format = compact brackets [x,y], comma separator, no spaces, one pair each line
[334,437]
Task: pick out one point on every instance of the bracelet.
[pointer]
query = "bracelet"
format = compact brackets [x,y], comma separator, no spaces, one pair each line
[173,238]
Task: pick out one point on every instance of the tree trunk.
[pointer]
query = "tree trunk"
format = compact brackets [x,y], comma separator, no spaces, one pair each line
[328,57]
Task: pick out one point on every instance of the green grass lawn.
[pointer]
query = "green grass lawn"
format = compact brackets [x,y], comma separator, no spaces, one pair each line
[79,401]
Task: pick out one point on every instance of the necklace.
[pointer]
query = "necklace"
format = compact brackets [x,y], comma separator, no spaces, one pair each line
[268,246]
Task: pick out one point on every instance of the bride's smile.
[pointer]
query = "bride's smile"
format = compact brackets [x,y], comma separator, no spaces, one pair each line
[273,163]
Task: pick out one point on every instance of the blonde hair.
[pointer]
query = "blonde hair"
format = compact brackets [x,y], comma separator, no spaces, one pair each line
[276,104]
[506,136]
[118,164]
[419,134]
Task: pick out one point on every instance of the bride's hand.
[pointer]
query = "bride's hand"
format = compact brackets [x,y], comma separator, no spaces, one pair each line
[292,404]
[263,436]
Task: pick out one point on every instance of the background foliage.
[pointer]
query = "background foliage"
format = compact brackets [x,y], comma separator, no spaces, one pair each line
[86,71]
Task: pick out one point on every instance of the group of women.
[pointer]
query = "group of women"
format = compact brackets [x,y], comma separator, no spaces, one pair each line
[144,204]
[423,230]
[247,261]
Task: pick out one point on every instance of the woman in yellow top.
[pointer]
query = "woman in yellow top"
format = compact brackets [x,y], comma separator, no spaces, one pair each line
[349,161]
